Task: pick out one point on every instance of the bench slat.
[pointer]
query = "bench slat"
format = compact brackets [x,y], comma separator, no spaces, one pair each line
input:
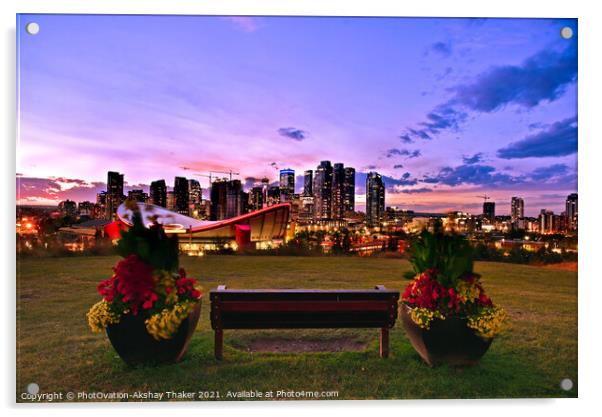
[303,306]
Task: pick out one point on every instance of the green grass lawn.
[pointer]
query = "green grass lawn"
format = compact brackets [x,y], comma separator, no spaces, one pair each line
[56,349]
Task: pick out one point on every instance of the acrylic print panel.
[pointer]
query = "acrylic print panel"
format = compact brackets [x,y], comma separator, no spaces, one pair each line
[390,203]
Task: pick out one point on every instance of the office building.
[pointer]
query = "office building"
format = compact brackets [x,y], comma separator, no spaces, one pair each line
[338,191]
[517,209]
[287,184]
[571,212]
[489,211]
[158,193]
[322,189]
[181,196]
[138,195]
[349,190]
[114,193]
[308,183]
[375,199]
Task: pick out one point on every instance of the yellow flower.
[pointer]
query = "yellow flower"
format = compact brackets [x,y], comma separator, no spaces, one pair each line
[489,322]
[423,316]
[165,324]
[100,316]
[467,291]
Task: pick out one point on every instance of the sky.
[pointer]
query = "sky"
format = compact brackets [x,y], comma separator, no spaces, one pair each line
[447,110]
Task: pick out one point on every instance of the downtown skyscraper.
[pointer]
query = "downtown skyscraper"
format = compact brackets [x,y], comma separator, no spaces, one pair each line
[517,209]
[158,193]
[338,190]
[181,195]
[287,184]
[308,183]
[375,199]
[571,212]
[114,193]
[323,191]
[349,190]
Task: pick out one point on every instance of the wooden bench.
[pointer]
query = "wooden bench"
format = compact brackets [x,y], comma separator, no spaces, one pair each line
[303,309]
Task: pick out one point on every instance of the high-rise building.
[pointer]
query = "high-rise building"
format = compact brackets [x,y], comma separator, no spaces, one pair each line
[226,199]
[323,191]
[218,199]
[195,192]
[375,199]
[273,196]
[546,222]
[349,190]
[181,197]
[256,198]
[265,184]
[170,201]
[68,208]
[138,195]
[308,183]
[489,211]
[100,209]
[338,191]
[517,209]
[195,198]
[158,193]
[114,193]
[85,208]
[571,212]
[287,184]
[234,197]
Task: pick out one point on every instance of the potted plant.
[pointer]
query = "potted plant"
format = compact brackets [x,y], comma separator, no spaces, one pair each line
[149,307]
[445,311]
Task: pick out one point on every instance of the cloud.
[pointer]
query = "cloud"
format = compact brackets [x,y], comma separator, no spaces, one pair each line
[476,158]
[48,190]
[417,190]
[251,182]
[558,175]
[559,139]
[397,166]
[546,173]
[442,48]
[474,174]
[541,77]
[406,138]
[293,133]
[403,152]
[442,117]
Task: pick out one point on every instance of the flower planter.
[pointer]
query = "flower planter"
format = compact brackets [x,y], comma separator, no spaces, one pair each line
[135,346]
[446,341]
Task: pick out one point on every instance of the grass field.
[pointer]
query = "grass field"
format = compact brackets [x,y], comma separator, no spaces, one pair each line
[56,349]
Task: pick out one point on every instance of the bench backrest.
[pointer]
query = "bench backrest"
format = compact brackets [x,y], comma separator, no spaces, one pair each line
[272,309]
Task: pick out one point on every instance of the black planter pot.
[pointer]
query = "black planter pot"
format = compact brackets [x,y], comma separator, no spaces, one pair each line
[135,346]
[448,341]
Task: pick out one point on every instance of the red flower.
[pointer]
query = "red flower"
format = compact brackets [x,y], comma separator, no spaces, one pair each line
[135,282]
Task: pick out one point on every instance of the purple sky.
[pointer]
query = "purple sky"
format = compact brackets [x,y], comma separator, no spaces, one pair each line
[445,109]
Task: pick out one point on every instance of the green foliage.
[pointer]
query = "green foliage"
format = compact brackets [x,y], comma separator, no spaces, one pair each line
[151,245]
[450,254]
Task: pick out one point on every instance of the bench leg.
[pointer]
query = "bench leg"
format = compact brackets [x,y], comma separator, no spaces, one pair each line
[219,343]
[384,343]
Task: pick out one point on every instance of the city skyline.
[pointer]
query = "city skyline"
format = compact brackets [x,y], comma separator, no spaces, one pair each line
[423,111]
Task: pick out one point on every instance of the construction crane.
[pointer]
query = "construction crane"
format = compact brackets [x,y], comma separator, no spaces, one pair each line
[484,197]
[222,172]
[206,176]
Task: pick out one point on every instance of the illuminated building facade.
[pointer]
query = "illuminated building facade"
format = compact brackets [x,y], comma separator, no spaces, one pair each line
[158,193]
